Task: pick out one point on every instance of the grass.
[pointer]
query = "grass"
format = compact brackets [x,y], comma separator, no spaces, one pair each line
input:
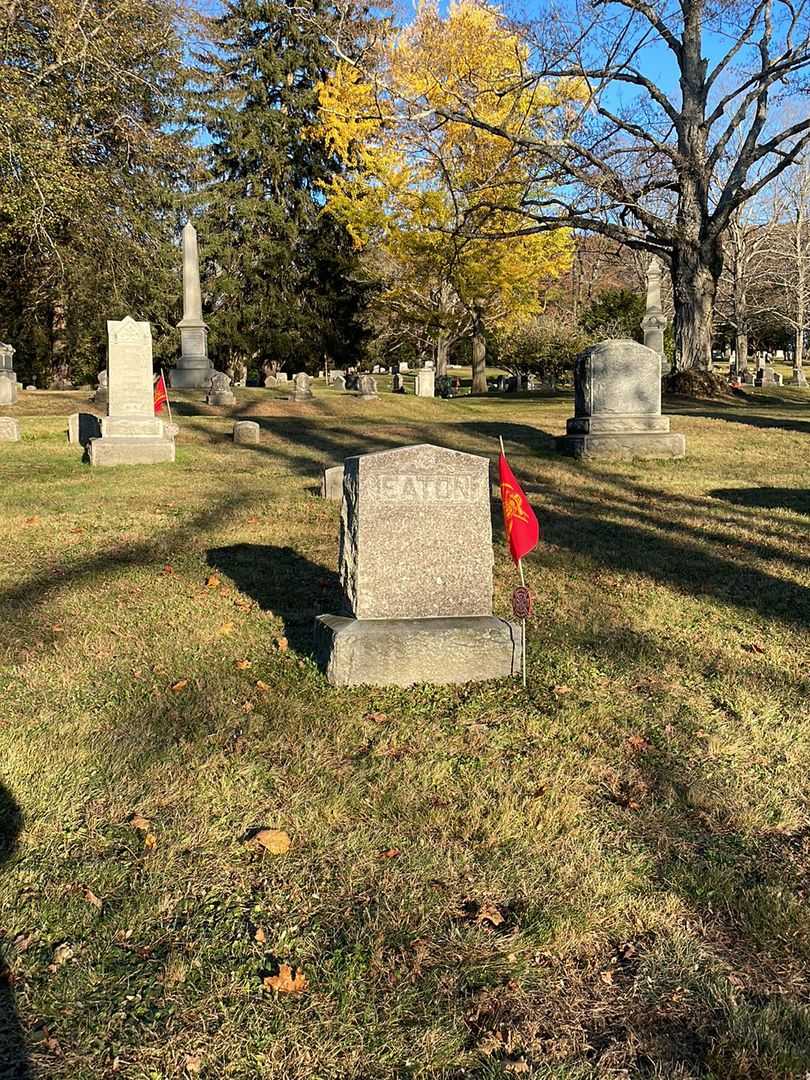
[605,875]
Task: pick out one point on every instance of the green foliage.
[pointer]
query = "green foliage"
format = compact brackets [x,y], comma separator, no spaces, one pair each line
[544,346]
[278,271]
[92,152]
[615,313]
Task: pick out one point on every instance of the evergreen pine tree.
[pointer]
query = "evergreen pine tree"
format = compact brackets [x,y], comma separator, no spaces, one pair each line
[279,272]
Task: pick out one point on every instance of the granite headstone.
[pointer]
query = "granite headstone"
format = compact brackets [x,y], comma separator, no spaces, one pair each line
[425,510]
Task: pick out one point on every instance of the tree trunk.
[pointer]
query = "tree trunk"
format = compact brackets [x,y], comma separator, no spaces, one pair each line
[442,352]
[694,286]
[798,356]
[479,354]
[60,366]
[741,349]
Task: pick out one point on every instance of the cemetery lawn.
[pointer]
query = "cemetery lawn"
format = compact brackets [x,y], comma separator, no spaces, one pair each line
[604,875]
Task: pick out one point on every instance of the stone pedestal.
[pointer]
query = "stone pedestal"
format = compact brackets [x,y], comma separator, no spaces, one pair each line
[131,434]
[426,382]
[425,512]
[246,433]
[798,378]
[9,429]
[193,368]
[618,405]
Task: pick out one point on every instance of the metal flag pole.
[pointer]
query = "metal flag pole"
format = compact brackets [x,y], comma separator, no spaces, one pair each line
[523,626]
[166,387]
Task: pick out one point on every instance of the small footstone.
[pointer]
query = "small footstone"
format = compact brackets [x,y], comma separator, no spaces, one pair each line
[82,427]
[9,429]
[332,483]
[246,433]
[425,511]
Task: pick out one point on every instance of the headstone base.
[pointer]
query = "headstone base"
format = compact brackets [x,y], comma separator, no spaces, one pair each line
[623,446]
[220,397]
[190,376]
[799,378]
[307,396]
[135,451]
[401,652]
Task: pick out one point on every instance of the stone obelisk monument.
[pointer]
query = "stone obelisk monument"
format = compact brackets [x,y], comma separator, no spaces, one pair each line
[193,367]
[654,322]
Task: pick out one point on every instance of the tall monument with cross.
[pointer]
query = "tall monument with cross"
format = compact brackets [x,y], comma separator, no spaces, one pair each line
[654,322]
[193,368]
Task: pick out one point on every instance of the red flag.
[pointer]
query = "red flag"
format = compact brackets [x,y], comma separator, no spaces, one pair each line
[161,396]
[520,522]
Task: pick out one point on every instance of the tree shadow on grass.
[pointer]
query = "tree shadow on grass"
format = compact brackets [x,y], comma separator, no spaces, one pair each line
[796,500]
[284,582]
[14,1064]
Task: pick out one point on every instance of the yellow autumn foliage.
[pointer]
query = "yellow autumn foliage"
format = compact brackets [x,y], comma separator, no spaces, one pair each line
[421,182]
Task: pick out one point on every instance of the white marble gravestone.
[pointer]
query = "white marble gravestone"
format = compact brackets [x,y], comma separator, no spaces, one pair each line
[131,434]
[8,377]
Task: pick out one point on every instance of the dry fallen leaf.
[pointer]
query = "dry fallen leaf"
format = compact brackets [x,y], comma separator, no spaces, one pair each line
[90,897]
[276,841]
[150,841]
[242,665]
[181,684]
[390,853]
[282,644]
[517,1066]
[137,821]
[168,569]
[213,581]
[260,936]
[226,629]
[58,629]
[561,690]
[32,520]
[639,744]
[755,647]
[193,1063]
[285,982]
[489,913]
[262,685]
[61,954]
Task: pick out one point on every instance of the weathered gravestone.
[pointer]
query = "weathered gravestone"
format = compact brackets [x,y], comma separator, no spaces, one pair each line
[426,382]
[246,433]
[301,388]
[82,427]
[101,395]
[9,429]
[338,383]
[131,434]
[335,373]
[219,390]
[332,483]
[425,512]
[798,378]
[193,368]
[8,377]
[368,387]
[617,410]
[397,384]
[765,376]
[654,322]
